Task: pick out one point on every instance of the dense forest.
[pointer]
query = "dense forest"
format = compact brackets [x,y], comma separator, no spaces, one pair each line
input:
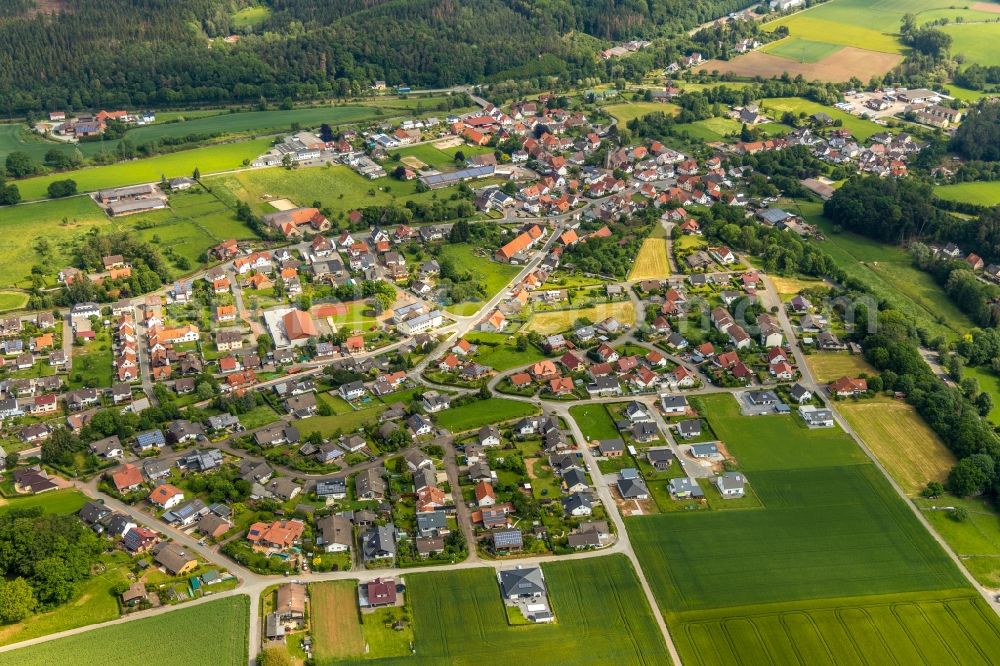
[168,52]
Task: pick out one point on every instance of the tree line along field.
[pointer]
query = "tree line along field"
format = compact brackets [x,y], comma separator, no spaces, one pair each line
[601,617]
[209,159]
[210,633]
[889,273]
[900,440]
[494,274]
[983,193]
[834,559]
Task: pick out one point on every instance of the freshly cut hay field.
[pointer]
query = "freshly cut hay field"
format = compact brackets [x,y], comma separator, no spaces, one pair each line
[212,633]
[789,286]
[828,366]
[548,323]
[336,628]
[652,260]
[840,65]
[901,440]
[801,50]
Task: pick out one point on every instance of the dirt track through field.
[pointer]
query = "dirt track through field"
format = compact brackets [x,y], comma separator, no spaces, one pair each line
[840,66]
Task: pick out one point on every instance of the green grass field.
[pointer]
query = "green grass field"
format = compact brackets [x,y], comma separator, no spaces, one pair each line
[208,160]
[860,128]
[776,443]
[950,627]
[889,273]
[976,41]
[16,136]
[631,110]
[254,121]
[989,381]
[482,412]
[594,421]
[710,129]
[441,159]
[984,193]
[195,222]
[601,618]
[344,421]
[834,557]
[58,501]
[250,17]
[212,633]
[865,24]
[802,50]
[13,300]
[21,225]
[499,351]
[976,540]
[494,274]
[93,601]
[337,187]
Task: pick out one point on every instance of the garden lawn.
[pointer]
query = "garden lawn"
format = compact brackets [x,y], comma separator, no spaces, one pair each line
[558,321]
[500,352]
[93,368]
[483,412]
[211,633]
[983,193]
[495,275]
[208,160]
[64,501]
[601,618]
[594,421]
[346,422]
